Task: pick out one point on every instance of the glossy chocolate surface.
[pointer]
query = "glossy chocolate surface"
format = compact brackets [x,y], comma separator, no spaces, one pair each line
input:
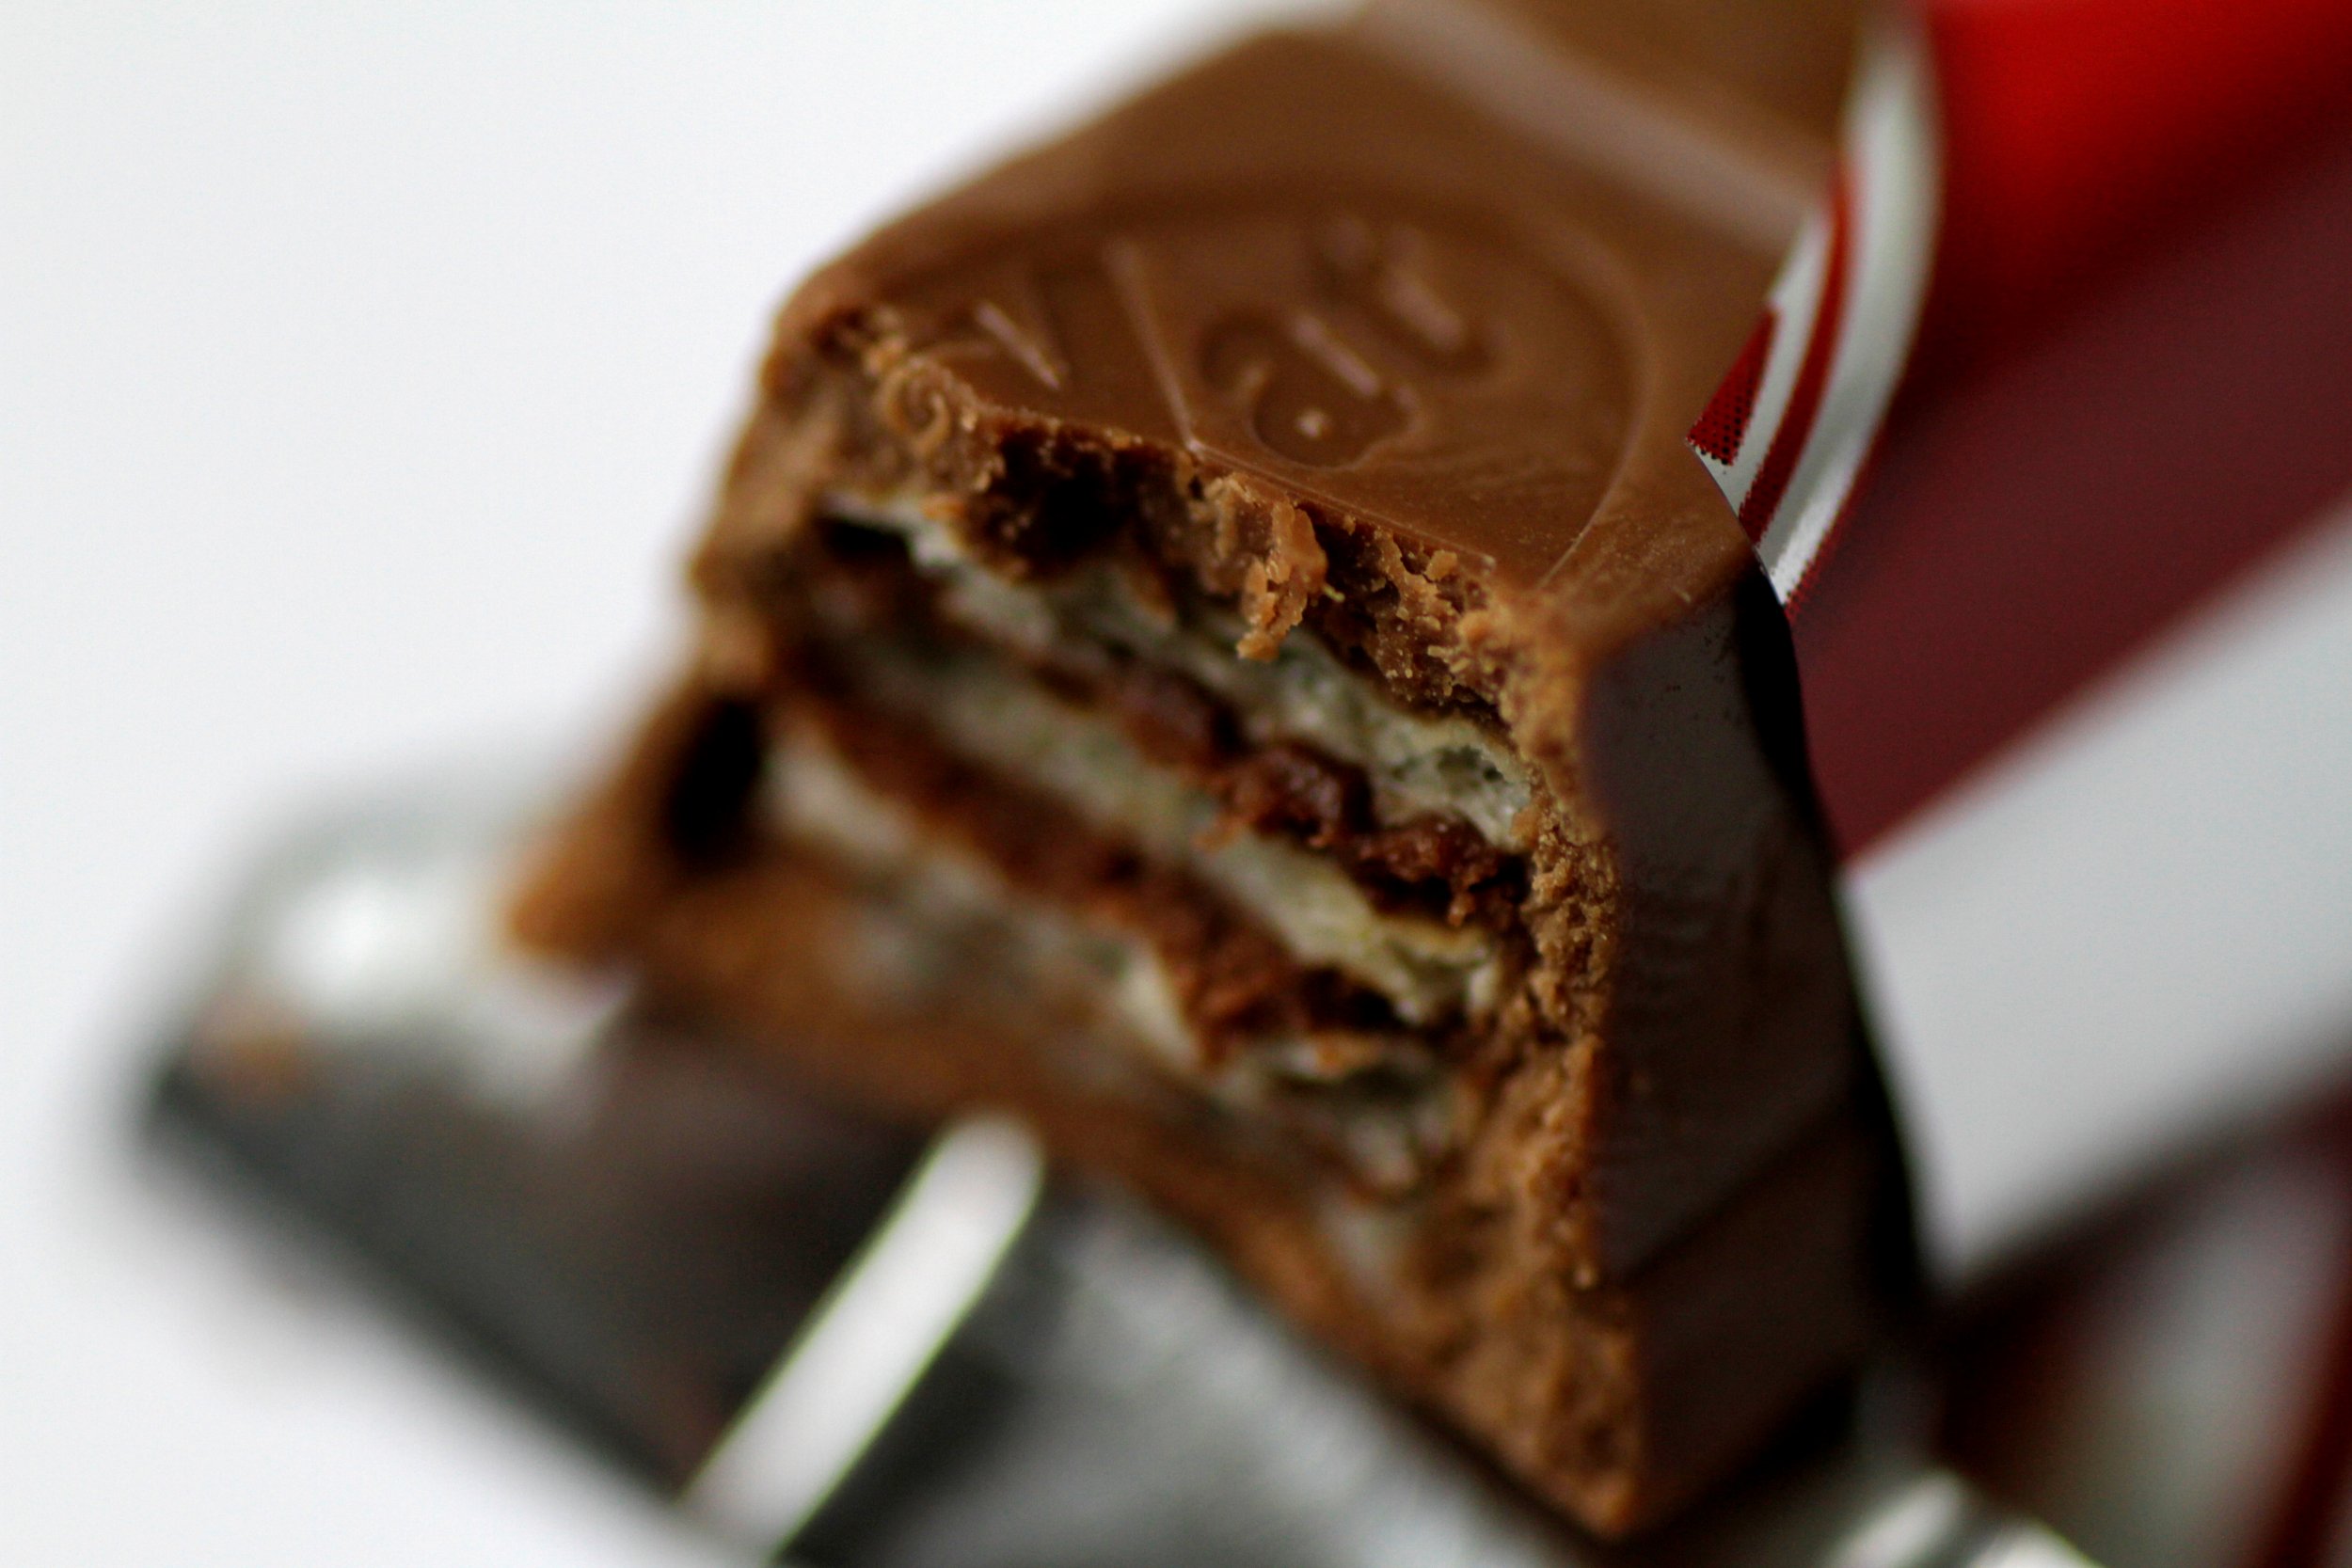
[1316,261]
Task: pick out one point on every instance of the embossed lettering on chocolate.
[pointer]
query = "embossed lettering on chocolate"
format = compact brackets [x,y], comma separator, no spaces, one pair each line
[1213,638]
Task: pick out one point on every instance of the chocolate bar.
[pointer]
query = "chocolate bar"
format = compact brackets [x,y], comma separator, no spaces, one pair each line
[1214,638]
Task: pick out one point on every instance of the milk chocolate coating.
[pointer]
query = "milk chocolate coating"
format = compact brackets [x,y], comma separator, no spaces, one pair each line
[1383,337]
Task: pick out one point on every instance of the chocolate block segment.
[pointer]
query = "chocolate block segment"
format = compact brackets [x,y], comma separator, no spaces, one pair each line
[1351,353]
[1247,673]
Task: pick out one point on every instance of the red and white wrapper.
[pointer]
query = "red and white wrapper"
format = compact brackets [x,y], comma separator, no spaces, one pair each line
[1787,433]
[2046,444]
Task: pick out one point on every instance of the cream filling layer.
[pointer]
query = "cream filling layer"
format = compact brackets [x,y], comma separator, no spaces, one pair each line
[1417,762]
[1379,1102]
[993,715]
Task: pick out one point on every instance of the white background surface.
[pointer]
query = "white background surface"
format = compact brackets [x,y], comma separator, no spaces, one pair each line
[361,367]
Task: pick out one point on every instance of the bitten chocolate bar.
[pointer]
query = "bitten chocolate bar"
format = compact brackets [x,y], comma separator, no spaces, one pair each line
[1214,638]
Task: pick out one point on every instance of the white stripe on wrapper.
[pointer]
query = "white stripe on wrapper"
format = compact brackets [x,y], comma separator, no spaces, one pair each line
[1807,438]
[872,1336]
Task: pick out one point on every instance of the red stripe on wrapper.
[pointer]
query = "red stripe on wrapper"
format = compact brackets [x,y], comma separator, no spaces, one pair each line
[2076,128]
[2040,517]
[1722,430]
